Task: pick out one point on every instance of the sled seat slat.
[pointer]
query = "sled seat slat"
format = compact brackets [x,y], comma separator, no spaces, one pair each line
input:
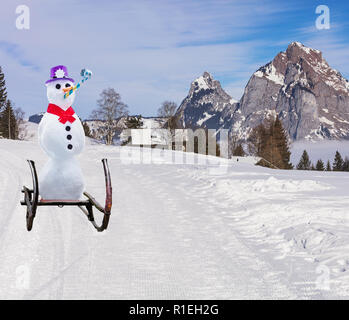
[62,203]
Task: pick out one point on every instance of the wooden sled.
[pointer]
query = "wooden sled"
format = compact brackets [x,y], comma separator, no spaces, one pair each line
[32,202]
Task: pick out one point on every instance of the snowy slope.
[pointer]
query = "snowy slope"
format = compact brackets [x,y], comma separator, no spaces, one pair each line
[217,230]
[29,131]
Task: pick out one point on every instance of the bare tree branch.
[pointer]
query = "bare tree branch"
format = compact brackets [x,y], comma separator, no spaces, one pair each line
[110,110]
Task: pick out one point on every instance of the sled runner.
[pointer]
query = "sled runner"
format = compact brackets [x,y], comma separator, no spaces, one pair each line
[31,200]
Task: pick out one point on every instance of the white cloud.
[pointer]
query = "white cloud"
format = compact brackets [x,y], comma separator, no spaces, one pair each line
[148,51]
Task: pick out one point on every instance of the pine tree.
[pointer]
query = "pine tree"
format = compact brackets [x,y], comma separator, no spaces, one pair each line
[345,164]
[239,151]
[270,142]
[8,122]
[304,162]
[320,165]
[135,122]
[338,162]
[132,122]
[281,143]
[257,140]
[328,166]
[272,154]
[3,93]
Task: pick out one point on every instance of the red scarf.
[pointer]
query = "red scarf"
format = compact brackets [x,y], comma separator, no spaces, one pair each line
[64,116]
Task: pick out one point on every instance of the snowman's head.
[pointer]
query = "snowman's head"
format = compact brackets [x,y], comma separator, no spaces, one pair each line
[56,90]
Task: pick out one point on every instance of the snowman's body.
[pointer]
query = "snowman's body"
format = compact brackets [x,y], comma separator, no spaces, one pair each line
[61,178]
[62,140]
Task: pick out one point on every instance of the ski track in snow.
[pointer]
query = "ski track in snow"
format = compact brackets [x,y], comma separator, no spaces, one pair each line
[176,232]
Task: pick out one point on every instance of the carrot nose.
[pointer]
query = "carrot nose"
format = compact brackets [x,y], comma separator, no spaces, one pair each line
[67,89]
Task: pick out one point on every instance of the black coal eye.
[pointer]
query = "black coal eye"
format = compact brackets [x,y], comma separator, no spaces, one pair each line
[58,86]
[67,85]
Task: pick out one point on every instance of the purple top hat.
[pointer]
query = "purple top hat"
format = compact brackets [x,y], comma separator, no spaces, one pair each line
[59,73]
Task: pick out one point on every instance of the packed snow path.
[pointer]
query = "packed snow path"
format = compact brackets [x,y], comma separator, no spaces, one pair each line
[177,232]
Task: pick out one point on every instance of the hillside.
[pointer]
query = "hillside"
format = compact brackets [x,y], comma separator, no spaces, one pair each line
[208,228]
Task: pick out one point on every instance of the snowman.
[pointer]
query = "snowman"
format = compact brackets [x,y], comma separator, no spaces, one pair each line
[61,136]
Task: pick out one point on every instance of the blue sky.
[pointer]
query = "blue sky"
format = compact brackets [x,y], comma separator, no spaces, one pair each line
[150,51]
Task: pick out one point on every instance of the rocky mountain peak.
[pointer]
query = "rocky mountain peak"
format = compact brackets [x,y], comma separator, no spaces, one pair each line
[205,86]
[298,85]
[204,103]
[298,61]
[204,82]
[297,51]
[304,91]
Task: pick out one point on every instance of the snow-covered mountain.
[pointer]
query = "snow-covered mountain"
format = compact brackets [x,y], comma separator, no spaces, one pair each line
[298,85]
[36,118]
[205,104]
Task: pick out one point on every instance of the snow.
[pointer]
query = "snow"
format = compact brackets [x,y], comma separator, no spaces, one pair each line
[201,83]
[206,116]
[268,113]
[331,76]
[259,74]
[29,131]
[271,74]
[325,120]
[340,120]
[318,134]
[207,228]
[153,123]
[304,48]
[232,101]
